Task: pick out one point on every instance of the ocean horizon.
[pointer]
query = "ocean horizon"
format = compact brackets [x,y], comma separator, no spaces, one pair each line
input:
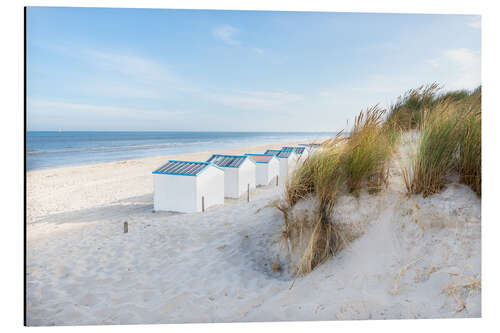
[53,149]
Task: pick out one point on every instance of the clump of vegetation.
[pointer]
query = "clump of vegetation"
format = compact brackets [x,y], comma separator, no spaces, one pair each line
[437,150]
[367,152]
[407,112]
[315,237]
[469,157]
[360,161]
[450,141]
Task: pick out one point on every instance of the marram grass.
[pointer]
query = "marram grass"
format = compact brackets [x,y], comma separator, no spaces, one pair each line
[407,112]
[450,141]
[367,152]
[469,156]
[351,164]
[437,149]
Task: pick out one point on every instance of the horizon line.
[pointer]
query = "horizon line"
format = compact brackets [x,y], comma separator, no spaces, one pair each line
[278,131]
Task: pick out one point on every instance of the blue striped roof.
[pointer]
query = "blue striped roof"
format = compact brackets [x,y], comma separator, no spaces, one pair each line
[279,152]
[227,161]
[297,150]
[182,168]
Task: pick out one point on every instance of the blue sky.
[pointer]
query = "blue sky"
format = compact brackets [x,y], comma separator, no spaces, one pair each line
[158,69]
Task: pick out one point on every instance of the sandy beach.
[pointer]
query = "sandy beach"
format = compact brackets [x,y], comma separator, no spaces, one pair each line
[415,259]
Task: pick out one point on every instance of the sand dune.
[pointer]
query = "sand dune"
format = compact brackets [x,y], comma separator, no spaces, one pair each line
[416,258]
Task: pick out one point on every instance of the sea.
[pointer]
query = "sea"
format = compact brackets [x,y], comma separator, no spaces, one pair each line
[53,149]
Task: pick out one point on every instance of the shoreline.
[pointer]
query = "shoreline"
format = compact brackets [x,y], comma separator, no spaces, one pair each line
[190,156]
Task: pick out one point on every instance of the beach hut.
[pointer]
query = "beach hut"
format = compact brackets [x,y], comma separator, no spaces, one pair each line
[288,160]
[185,186]
[239,173]
[267,168]
[302,152]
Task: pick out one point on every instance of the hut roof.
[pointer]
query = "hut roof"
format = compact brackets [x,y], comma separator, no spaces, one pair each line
[297,150]
[182,168]
[227,161]
[279,153]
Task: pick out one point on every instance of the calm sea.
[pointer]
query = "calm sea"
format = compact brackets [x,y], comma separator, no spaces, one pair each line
[56,149]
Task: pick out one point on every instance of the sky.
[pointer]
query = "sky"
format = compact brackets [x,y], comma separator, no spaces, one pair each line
[163,70]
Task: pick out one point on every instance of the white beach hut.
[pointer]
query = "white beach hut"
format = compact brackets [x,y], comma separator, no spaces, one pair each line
[186,186]
[288,160]
[302,152]
[267,166]
[239,173]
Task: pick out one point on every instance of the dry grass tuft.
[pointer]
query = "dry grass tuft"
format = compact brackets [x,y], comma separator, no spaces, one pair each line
[407,112]
[461,290]
[469,157]
[367,152]
[402,271]
[316,237]
[353,163]
[450,142]
[437,150]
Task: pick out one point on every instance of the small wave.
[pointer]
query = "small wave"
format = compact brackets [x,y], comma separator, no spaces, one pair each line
[118,148]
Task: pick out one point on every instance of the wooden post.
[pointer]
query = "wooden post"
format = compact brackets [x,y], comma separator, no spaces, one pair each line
[277,180]
[248,193]
[125,227]
[202,204]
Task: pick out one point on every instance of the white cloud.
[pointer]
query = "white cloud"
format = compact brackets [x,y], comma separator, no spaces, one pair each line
[467,68]
[226,33]
[464,57]
[255,100]
[140,68]
[62,108]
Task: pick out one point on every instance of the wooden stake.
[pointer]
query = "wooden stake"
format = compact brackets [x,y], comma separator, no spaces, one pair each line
[277,180]
[202,204]
[248,193]
[125,227]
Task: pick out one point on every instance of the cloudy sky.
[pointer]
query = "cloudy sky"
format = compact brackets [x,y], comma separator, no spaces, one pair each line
[142,69]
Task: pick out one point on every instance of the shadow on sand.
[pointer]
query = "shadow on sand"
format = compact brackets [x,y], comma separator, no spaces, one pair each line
[120,210]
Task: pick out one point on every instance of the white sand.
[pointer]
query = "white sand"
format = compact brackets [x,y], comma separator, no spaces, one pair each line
[215,266]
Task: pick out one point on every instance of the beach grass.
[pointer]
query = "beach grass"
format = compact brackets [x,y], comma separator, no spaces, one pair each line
[449,127]
[314,237]
[351,164]
[367,152]
[469,157]
[450,141]
[407,112]
[437,149]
